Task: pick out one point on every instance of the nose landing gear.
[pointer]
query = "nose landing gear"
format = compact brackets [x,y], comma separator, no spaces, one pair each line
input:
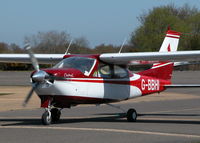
[55,115]
[46,117]
[51,116]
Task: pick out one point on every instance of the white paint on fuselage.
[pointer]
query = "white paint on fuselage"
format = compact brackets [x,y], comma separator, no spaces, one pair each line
[92,89]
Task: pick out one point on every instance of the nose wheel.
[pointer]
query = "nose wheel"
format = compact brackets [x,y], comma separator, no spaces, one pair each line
[51,116]
[46,117]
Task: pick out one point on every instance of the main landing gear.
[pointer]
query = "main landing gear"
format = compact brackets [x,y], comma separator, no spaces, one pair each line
[131,114]
[51,116]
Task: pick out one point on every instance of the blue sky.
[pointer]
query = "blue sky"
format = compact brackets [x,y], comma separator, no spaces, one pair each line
[99,21]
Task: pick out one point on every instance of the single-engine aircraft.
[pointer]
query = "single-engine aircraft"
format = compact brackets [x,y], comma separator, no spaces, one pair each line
[101,78]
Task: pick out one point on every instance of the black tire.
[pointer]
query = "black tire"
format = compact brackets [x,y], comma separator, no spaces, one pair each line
[132,115]
[46,119]
[55,115]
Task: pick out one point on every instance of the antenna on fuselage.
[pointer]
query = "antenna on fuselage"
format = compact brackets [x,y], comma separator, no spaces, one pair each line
[122,46]
[68,47]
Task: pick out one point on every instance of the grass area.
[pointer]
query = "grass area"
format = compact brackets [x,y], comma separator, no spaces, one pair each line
[3,94]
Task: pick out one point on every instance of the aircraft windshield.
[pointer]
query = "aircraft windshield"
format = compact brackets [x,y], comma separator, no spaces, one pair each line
[83,64]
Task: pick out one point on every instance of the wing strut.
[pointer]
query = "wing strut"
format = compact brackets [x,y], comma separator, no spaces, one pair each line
[182,86]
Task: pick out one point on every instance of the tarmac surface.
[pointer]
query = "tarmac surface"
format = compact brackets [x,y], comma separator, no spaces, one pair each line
[166,117]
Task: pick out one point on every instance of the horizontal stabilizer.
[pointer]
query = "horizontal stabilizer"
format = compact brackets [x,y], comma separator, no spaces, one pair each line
[182,86]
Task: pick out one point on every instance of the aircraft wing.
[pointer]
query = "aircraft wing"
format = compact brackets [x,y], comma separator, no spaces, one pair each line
[127,58]
[24,58]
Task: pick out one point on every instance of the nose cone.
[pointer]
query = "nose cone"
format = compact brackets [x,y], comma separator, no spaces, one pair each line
[39,76]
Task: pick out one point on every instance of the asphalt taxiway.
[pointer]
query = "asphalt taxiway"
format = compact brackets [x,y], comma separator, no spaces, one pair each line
[168,117]
[158,121]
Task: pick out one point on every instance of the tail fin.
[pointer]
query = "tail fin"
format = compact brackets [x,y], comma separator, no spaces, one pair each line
[163,70]
[170,43]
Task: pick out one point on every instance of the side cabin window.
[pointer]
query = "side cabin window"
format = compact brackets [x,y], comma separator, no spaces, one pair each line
[120,72]
[111,71]
[105,71]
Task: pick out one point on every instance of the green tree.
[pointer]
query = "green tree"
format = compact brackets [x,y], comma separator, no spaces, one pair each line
[150,34]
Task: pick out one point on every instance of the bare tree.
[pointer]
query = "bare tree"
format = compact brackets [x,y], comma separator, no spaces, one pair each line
[4,48]
[48,42]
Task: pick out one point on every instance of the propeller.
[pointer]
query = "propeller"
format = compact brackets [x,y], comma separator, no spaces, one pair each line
[32,57]
[34,86]
[38,77]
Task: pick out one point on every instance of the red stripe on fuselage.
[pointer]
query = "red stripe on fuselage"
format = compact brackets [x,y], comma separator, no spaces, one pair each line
[100,81]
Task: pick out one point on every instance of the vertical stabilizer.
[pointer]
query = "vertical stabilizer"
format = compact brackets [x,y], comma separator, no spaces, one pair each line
[170,43]
[163,70]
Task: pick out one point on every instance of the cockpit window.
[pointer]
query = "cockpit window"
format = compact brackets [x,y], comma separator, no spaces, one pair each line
[83,64]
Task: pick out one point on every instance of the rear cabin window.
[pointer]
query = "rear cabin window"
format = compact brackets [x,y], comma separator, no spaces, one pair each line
[111,71]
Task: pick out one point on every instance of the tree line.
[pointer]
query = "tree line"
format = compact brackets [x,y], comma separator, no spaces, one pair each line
[147,37]
[53,42]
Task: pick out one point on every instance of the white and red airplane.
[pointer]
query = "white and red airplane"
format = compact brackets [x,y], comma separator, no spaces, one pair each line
[98,79]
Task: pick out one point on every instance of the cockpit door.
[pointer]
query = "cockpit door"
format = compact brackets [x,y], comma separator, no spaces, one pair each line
[111,82]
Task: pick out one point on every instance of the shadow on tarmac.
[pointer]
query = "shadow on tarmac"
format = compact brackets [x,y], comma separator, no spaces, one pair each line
[109,117]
